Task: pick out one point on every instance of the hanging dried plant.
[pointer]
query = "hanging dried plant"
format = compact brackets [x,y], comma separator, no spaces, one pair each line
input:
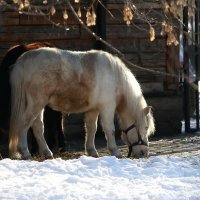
[165,6]
[26,3]
[191,8]
[45,2]
[17,2]
[91,17]
[171,39]
[174,7]
[79,12]
[21,6]
[181,2]
[152,33]
[53,10]
[128,13]
[168,30]
[65,15]
[88,18]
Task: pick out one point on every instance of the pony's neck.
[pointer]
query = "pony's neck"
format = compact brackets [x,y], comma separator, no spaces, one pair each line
[126,118]
[131,110]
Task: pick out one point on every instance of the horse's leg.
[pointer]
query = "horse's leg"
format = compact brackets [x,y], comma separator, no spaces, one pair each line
[107,117]
[53,131]
[38,131]
[61,135]
[31,118]
[22,145]
[91,128]
[32,143]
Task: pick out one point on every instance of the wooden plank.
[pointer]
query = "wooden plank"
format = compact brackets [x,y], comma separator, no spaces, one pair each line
[116,16]
[146,77]
[33,20]
[152,88]
[148,54]
[6,45]
[119,4]
[74,44]
[158,45]
[68,44]
[85,34]
[125,45]
[41,20]
[133,57]
[9,18]
[124,31]
[157,59]
[173,67]
[23,33]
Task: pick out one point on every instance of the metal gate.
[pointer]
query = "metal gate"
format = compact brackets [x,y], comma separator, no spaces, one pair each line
[191,67]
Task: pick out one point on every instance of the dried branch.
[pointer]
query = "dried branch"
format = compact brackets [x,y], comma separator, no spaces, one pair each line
[130,13]
[120,54]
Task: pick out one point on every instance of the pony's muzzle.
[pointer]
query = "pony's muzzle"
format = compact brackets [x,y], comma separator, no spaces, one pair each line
[140,151]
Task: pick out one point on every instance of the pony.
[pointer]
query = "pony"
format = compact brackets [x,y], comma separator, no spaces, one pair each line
[5,101]
[93,82]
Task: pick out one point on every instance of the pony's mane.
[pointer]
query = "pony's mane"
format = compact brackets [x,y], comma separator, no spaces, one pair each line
[135,100]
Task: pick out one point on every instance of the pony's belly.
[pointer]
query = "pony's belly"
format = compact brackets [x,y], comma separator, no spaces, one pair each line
[69,104]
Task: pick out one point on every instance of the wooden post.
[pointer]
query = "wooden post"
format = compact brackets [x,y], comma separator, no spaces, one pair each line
[186,71]
[101,25]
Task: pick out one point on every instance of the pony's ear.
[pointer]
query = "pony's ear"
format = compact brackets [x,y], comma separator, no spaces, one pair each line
[147,110]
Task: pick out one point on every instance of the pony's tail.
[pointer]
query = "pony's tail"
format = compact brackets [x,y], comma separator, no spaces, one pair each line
[17,108]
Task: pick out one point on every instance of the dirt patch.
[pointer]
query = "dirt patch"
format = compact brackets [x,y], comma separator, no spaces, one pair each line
[179,146]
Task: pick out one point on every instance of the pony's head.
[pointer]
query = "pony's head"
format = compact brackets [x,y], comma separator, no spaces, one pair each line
[136,135]
[135,116]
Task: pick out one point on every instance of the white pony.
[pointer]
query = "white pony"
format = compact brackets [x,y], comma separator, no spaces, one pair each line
[93,82]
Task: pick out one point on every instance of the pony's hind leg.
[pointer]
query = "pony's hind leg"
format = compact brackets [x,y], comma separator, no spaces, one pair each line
[91,128]
[38,131]
[107,118]
[22,145]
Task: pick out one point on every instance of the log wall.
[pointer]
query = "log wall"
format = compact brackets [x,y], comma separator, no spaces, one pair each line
[132,40]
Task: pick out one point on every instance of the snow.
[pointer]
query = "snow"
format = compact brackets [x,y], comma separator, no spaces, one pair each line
[104,178]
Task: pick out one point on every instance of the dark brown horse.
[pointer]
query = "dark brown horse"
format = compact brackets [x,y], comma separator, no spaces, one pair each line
[52,119]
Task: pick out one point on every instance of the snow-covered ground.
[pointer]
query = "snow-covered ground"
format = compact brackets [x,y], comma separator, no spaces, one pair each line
[104,178]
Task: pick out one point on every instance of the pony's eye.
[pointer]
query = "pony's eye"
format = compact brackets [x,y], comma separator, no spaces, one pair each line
[146,128]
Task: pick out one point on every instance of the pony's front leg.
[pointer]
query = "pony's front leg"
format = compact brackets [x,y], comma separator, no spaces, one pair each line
[38,131]
[91,128]
[107,117]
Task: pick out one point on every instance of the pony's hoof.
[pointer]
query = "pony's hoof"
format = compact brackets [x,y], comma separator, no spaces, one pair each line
[92,153]
[116,153]
[26,157]
[48,154]
[15,156]
[119,156]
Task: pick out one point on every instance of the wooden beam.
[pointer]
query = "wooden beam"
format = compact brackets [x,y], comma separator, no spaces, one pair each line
[101,25]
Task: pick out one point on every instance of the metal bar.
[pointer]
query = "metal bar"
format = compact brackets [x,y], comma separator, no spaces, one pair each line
[186,102]
[197,55]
